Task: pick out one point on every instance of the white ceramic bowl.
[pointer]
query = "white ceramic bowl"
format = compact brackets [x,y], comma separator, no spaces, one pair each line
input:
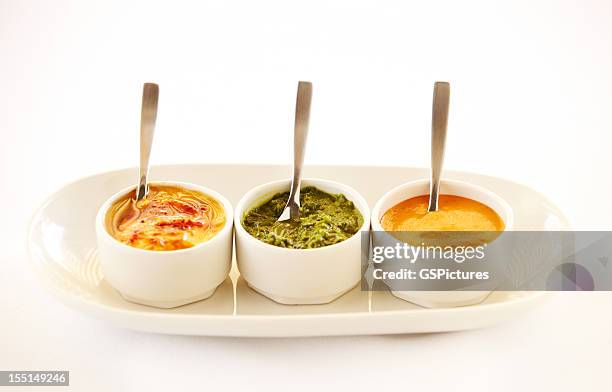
[166,279]
[433,299]
[299,276]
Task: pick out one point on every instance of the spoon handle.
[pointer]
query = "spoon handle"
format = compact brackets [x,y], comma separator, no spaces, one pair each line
[148,115]
[439,121]
[300,134]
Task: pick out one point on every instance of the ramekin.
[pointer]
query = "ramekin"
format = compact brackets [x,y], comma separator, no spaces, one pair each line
[299,276]
[434,299]
[166,279]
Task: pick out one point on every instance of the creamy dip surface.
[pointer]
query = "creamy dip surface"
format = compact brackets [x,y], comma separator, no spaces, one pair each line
[169,218]
[455,213]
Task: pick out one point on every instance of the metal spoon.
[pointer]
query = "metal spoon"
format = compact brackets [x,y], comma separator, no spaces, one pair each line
[439,121]
[148,115]
[300,133]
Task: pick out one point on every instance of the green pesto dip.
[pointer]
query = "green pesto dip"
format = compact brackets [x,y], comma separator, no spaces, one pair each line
[325,219]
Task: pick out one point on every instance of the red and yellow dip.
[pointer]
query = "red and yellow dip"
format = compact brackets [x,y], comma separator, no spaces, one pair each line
[169,218]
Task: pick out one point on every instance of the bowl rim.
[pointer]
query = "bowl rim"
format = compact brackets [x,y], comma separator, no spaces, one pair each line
[507,209]
[241,209]
[227,206]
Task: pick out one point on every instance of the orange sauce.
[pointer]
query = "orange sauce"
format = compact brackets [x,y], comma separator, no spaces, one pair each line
[455,213]
[169,218]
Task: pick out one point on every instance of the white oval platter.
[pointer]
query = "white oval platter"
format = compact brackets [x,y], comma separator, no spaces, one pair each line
[62,246]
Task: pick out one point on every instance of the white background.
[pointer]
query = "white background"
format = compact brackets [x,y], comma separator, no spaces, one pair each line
[531,99]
